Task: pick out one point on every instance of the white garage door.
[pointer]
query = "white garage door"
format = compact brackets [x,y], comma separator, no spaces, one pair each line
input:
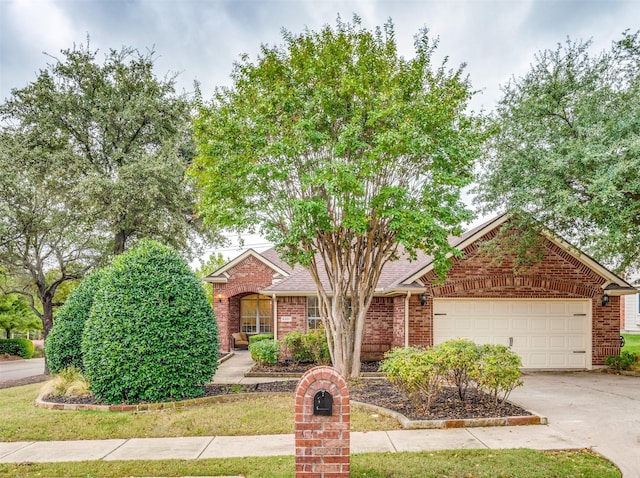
[547,334]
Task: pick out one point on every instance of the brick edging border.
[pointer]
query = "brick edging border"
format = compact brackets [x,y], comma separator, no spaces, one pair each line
[150,407]
[407,424]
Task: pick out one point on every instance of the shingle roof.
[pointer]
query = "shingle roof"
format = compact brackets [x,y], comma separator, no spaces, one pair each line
[393,273]
[398,275]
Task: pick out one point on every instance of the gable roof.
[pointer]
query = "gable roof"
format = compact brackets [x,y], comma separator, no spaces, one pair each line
[403,274]
[615,285]
[269,258]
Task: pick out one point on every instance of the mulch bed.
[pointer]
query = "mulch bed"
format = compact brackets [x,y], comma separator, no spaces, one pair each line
[374,391]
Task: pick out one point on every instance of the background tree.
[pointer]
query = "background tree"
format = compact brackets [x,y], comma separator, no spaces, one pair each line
[93,157]
[47,240]
[345,155]
[213,263]
[566,148]
[15,315]
[127,139]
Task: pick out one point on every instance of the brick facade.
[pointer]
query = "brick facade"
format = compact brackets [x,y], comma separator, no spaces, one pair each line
[558,275]
[248,277]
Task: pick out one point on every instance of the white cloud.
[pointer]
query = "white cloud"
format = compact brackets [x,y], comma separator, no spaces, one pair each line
[40,25]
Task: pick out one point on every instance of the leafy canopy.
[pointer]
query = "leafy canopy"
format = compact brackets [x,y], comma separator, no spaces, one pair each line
[334,132]
[124,140]
[340,150]
[566,148]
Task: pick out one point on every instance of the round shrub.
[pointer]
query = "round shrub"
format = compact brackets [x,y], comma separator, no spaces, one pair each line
[63,345]
[151,334]
[265,351]
[21,347]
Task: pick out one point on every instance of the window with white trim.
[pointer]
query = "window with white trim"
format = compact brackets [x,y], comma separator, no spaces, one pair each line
[313,313]
[255,314]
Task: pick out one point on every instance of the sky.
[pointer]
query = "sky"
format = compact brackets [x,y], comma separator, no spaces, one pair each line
[200,39]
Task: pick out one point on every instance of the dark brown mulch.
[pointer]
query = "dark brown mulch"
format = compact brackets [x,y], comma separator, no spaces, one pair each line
[290,367]
[376,392]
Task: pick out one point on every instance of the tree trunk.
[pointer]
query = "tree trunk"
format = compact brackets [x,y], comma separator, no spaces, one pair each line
[119,241]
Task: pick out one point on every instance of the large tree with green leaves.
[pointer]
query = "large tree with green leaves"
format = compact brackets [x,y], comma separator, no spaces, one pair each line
[46,239]
[566,148]
[345,155]
[126,139]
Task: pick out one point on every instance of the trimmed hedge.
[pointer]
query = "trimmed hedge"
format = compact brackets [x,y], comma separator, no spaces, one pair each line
[21,347]
[151,335]
[63,346]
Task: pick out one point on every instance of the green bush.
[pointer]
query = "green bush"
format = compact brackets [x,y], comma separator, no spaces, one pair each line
[415,372]
[499,371]
[460,362]
[257,338]
[311,347]
[265,351]
[151,334]
[9,346]
[316,344]
[63,345]
[21,347]
[297,347]
[624,361]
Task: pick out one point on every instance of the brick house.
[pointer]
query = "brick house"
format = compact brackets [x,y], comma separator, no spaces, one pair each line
[561,313]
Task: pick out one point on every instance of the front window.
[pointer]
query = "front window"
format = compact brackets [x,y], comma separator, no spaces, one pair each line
[255,314]
[313,314]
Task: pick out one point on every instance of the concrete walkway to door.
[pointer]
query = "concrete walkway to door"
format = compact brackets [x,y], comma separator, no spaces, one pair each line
[600,409]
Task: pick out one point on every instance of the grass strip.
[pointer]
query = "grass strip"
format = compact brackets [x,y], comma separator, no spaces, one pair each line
[517,463]
[632,343]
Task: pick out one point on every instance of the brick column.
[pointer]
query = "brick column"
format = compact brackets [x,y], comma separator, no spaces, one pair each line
[322,440]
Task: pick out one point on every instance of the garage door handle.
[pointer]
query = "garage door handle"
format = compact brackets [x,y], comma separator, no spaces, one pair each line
[510,341]
[441,313]
[579,351]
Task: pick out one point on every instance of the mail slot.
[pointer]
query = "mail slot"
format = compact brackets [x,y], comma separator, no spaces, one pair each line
[322,403]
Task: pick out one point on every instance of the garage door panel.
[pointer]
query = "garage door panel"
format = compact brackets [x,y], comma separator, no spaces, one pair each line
[501,324]
[575,324]
[545,333]
[520,324]
[538,324]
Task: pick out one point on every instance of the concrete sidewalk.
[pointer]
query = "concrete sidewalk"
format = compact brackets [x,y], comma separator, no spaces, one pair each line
[538,437]
[231,371]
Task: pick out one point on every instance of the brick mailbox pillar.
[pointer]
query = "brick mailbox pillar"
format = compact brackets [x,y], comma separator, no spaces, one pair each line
[322,425]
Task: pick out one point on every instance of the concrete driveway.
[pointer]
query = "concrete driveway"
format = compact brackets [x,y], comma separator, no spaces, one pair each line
[600,408]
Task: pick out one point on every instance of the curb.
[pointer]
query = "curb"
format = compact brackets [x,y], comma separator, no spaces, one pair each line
[407,424]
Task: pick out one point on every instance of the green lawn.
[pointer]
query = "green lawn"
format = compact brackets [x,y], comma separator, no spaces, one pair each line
[632,343]
[520,463]
[255,415]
